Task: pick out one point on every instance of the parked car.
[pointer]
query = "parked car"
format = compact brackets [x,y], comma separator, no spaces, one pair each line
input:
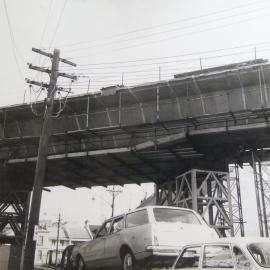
[234,253]
[151,236]
[65,263]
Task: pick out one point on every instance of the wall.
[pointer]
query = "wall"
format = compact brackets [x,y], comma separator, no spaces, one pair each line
[4,256]
[9,257]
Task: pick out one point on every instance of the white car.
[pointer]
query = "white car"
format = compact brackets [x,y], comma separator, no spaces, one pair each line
[234,253]
[150,236]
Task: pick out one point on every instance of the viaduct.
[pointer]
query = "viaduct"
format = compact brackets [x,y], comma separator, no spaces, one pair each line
[180,134]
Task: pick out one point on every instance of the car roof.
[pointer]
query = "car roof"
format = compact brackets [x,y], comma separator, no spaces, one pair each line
[161,206]
[232,240]
[148,207]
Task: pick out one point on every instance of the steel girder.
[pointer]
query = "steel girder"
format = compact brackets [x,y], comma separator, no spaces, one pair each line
[13,209]
[261,174]
[237,210]
[206,192]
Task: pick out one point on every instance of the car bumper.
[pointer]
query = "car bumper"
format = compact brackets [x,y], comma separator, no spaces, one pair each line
[168,251]
[158,256]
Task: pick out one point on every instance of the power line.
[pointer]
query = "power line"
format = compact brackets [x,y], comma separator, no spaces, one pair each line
[58,23]
[182,35]
[162,25]
[98,66]
[179,55]
[55,31]
[46,23]
[101,83]
[165,31]
[13,42]
[37,56]
[110,78]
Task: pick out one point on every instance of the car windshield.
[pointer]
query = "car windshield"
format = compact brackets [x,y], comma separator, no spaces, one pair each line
[175,215]
[261,253]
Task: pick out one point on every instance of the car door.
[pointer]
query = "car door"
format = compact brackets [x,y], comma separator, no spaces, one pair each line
[113,242]
[138,231]
[94,251]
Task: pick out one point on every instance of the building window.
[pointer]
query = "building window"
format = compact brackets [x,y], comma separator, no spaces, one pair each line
[40,240]
[40,255]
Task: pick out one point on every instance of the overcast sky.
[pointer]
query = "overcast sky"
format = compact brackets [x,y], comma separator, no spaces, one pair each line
[129,39]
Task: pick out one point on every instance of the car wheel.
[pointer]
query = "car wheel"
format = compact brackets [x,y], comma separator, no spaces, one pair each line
[129,262]
[80,264]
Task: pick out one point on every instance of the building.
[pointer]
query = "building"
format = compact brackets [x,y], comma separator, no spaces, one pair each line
[46,238]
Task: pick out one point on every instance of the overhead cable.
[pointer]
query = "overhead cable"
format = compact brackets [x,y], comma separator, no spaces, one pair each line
[165,24]
[190,60]
[13,42]
[258,17]
[58,23]
[148,35]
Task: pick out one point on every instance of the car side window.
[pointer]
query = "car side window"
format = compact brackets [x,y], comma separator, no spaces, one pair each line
[242,262]
[118,225]
[190,258]
[217,256]
[104,229]
[137,218]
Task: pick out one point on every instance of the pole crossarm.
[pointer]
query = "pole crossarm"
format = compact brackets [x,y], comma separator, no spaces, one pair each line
[50,55]
[41,69]
[41,84]
[72,77]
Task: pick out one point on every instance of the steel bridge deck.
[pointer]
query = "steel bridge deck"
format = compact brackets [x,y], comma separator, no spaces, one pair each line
[147,133]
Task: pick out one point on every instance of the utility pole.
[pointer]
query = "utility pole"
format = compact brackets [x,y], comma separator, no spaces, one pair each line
[88,87]
[57,240]
[114,192]
[122,78]
[28,254]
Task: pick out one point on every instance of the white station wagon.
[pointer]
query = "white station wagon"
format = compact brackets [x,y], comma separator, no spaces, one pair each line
[151,236]
[230,253]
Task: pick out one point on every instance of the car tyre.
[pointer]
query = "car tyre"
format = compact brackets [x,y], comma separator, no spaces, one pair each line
[129,262]
[80,264]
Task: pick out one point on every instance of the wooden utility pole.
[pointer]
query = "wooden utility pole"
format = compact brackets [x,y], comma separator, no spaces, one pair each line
[114,192]
[28,253]
[57,240]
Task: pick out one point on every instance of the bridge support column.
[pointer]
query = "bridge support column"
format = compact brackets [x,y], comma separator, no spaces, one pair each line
[262,190]
[207,192]
[13,209]
[237,210]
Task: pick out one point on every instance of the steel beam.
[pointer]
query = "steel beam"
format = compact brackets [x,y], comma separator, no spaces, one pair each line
[262,190]
[206,192]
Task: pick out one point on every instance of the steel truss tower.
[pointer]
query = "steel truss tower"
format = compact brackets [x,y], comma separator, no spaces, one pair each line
[237,210]
[13,218]
[261,174]
[13,209]
[210,193]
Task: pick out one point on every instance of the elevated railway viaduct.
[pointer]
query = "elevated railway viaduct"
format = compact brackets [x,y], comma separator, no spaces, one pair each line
[180,134]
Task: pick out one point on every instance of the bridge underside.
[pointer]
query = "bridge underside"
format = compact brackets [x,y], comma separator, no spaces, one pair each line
[166,151]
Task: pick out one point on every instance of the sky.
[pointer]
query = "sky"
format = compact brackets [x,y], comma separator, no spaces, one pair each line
[123,41]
